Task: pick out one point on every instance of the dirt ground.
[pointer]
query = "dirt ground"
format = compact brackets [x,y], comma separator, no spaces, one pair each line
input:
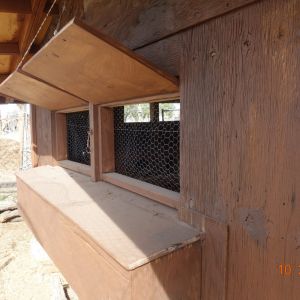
[22,277]
[26,272]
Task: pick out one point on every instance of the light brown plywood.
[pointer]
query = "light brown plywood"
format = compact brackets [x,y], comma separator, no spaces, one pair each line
[100,237]
[10,26]
[106,140]
[131,229]
[30,90]
[94,142]
[5,62]
[75,166]
[145,189]
[96,68]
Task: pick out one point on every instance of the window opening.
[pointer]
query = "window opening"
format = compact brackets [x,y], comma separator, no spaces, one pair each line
[78,139]
[148,151]
[169,111]
[137,113]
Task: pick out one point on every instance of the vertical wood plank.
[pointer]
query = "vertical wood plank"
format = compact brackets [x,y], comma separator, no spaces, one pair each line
[106,140]
[240,134]
[59,136]
[34,154]
[44,137]
[94,142]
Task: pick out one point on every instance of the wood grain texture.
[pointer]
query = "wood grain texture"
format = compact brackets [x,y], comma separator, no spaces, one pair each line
[59,136]
[131,229]
[90,65]
[88,220]
[136,23]
[239,140]
[43,147]
[16,6]
[165,54]
[34,129]
[94,142]
[28,89]
[9,49]
[106,140]
[145,189]
[80,262]
[76,167]
[214,253]
[177,276]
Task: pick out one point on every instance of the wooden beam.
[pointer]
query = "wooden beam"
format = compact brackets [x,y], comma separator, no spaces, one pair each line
[138,23]
[54,10]
[3,77]
[9,49]
[94,145]
[16,6]
[106,140]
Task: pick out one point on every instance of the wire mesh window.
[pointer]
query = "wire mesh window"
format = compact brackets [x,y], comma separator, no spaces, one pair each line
[148,151]
[78,137]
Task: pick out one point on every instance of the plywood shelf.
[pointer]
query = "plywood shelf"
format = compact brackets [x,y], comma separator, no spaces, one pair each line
[28,89]
[96,68]
[80,65]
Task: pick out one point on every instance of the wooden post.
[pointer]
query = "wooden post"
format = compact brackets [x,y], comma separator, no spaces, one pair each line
[106,140]
[34,154]
[94,142]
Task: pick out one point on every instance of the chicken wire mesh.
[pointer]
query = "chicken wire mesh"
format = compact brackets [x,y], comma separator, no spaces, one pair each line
[78,137]
[148,151]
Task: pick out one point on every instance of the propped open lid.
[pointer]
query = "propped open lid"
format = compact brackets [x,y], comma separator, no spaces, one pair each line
[27,89]
[95,68]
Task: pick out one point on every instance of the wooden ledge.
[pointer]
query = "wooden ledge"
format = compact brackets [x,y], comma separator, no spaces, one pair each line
[120,225]
[75,166]
[145,189]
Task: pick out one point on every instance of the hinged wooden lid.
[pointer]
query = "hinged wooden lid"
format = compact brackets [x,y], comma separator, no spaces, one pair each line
[95,68]
[121,225]
[27,89]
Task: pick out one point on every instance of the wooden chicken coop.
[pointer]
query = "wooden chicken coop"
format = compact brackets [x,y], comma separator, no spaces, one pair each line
[165,140]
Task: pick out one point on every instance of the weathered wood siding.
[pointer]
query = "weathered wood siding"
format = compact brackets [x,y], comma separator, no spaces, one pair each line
[240,136]
[240,141]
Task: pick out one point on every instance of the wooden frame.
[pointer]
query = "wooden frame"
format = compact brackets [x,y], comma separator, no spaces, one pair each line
[59,136]
[145,189]
[106,160]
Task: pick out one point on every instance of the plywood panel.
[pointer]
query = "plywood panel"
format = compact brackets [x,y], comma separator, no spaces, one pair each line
[240,141]
[136,23]
[88,271]
[10,26]
[59,136]
[16,6]
[177,276]
[94,142]
[30,90]
[5,62]
[106,140]
[42,137]
[129,228]
[97,69]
